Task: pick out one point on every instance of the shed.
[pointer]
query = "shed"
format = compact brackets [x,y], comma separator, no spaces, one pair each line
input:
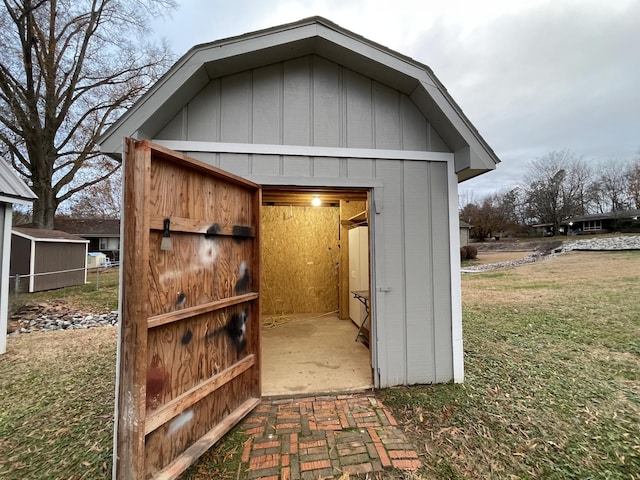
[465,233]
[310,105]
[47,259]
[96,259]
[301,110]
[12,191]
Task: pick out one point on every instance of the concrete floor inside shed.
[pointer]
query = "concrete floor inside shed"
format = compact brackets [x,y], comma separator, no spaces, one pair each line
[311,354]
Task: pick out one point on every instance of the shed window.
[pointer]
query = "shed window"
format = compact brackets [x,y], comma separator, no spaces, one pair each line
[590,225]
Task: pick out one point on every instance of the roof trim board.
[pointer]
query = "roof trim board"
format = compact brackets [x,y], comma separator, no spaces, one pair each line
[303,151]
[45,239]
[10,199]
[316,36]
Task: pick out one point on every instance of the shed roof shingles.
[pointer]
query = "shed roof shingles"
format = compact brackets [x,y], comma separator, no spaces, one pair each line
[89,227]
[47,234]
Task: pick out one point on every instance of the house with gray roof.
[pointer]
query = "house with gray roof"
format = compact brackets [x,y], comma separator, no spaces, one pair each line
[103,233]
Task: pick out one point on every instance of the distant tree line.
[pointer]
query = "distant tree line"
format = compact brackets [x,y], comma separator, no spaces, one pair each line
[557,186]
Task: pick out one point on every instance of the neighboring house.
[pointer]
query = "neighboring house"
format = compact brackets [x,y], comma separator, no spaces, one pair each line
[465,233]
[312,105]
[103,234]
[12,191]
[47,259]
[622,221]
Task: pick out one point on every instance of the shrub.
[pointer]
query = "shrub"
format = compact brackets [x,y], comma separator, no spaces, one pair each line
[472,252]
[463,253]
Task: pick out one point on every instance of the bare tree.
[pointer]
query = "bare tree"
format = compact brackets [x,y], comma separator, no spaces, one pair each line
[556,187]
[100,200]
[611,189]
[510,204]
[494,213]
[68,68]
[634,183]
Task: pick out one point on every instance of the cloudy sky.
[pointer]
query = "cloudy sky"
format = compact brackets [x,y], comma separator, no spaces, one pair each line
[533,76]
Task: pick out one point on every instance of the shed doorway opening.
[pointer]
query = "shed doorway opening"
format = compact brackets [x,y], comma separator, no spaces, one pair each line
[315,339]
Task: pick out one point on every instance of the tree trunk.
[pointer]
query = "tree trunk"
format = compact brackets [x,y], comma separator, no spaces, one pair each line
[45,206]
[43,209]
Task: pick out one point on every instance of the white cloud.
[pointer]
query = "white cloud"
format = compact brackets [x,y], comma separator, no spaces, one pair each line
[532,75]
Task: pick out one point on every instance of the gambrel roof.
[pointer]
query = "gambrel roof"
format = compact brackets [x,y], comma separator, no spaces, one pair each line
[316,36]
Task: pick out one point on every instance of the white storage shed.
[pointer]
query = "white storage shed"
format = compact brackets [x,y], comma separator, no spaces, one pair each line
[310,107]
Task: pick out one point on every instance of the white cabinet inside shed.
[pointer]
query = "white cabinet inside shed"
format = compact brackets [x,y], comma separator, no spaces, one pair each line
[359,276]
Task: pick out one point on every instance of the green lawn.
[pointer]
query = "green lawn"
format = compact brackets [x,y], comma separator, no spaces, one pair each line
[552,387]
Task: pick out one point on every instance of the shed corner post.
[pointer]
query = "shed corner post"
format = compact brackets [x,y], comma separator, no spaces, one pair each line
[6,212]
[456,279]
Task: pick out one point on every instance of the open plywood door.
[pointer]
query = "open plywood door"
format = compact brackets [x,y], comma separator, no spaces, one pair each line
[189,340]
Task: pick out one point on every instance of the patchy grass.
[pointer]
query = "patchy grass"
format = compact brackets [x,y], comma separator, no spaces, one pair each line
[56,405]
[552,388]
[222,461]
[98,295]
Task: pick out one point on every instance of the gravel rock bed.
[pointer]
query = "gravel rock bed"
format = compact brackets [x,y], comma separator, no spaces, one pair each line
[587,244]
[56,315]
[603,244]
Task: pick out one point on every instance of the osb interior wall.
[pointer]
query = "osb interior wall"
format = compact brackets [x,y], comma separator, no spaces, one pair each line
[300,259]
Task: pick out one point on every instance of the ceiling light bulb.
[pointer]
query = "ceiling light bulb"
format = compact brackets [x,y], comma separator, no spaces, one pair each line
[316,202]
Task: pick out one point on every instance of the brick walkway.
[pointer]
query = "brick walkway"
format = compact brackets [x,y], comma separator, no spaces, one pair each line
[323,437]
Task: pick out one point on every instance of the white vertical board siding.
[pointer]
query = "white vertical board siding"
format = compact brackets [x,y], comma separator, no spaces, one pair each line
[360,168]
[415,129]
[203,116]
[412,260]
[306,101]
[297,101]
[173,130]
[359,111]
[326,167]
[267,104]
[265,165]
[389,262]
[311,101]
[387,122]
[419,273]
[236,108]
[235,163]
[296,166]
[442,262]
[328,119]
